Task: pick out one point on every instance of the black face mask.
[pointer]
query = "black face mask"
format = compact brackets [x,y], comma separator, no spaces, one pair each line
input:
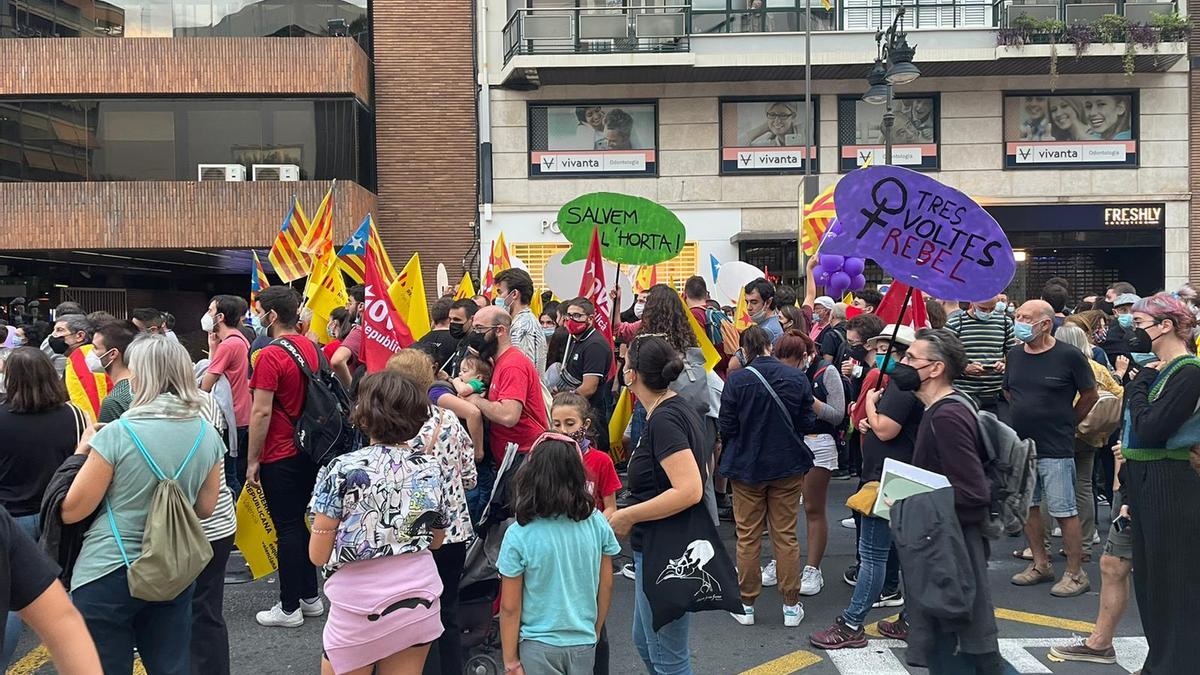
[858,353]
[458,330]
[484,344]
[906,377]
[58,344]
[1139,341]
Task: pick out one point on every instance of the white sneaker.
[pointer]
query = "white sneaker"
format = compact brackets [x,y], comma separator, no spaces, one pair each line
[1096,538]
[277,617]
[746,619]
[811,582]
[628,572]
[848,523]
[1057,532]
[770,574]
[793,615]
[314,608]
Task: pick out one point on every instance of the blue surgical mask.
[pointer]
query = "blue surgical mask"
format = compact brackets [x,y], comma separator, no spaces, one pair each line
[1024,331]
[500,302]
[548,331]
[983,316]
[1126,320]
[891,365]
[1001,307]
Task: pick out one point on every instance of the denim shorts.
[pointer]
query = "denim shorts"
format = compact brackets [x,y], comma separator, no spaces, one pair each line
[1056,482]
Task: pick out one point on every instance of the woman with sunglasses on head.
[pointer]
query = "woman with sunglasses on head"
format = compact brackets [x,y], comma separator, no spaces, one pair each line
[665,478]
[1160,490]
[555,565]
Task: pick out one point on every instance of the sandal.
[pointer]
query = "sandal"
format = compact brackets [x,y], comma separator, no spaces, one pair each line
[1026,554]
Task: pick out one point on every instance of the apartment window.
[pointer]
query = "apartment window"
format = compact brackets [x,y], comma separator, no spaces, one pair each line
[878,14]
[915,134]
[593,138]
[1070,129]
[184,18]
[758,16]
[167,139]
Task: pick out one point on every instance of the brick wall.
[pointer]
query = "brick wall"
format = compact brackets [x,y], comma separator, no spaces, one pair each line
[167,66]
[425,132]
[167,215]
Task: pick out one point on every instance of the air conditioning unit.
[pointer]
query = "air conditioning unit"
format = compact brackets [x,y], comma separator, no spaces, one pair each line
[222,172]
[276,172]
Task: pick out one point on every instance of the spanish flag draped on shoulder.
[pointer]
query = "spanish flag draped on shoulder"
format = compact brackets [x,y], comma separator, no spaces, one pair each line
[384,329]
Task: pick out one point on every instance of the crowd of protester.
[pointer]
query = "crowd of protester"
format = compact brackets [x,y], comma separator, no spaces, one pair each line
[489,439]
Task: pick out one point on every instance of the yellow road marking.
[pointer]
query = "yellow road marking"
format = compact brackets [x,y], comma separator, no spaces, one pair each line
[1045,620]
[872,629]
[785,665]
[31,662]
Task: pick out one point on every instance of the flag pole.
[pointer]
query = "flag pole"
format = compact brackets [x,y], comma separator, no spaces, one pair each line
[887,357]
[808,133]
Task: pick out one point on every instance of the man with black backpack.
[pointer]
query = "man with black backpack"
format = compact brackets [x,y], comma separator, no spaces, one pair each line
[275,463]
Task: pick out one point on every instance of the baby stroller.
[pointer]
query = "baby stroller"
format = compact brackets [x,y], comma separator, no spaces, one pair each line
[480,584]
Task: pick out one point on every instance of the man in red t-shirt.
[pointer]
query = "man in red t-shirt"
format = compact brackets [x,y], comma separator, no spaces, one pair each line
[514,403]
[285,474]
[346,358]
[229,355]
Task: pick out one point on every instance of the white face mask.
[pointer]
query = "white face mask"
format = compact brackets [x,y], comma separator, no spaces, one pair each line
[638,308]
[94,363]
[207,323]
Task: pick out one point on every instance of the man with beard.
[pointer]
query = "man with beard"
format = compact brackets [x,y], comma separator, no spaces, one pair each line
[514,404]
[462,314]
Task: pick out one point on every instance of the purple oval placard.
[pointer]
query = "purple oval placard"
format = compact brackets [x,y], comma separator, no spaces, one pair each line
[922,232]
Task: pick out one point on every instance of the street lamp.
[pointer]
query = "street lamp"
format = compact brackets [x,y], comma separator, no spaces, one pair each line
[893,66]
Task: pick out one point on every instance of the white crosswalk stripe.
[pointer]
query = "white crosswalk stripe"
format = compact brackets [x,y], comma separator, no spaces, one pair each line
[1026,655]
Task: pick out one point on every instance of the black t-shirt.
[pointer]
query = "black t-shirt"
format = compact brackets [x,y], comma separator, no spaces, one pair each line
[674,426]
[34,445]
[904,408]
[25,572]
[440,344]
[1042,389]
[590,355]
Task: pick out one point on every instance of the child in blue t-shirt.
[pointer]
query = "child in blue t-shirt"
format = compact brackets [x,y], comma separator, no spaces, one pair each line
[556,565]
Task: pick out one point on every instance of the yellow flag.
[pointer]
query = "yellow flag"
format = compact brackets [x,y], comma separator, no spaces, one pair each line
[324,292]
[827,4]
[408,296]
[466,288]
[848,299]
[711,356]
[741,315]
[536,304]
[617,424]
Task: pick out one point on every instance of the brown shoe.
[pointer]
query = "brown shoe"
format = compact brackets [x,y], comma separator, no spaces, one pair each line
[1032,576]
[1071,585]
[1082,652]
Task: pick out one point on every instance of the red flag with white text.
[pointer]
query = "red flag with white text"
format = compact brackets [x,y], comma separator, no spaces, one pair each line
[595,288]
[384,331]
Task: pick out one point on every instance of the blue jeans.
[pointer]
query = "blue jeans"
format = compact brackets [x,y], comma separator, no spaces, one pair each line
[637,424]
[874,572]
[664,652]
[32,526]
[118,622]
[478,496]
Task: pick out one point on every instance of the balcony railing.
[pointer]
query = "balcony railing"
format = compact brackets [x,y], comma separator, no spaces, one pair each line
[577,30]
[1007,11]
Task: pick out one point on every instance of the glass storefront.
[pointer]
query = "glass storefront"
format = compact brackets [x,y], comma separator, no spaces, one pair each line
[183,18]
[166,139]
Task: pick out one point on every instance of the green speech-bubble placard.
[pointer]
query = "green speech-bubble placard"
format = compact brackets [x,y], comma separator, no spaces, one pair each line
[633,230]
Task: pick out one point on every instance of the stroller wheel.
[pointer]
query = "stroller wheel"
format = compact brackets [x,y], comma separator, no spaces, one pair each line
[482,664]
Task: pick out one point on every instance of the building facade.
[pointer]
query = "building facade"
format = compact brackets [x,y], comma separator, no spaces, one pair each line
[1081,154]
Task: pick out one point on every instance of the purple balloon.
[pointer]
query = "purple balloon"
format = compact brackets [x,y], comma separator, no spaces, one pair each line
[854,266]
[924,233]
[832,262]
[821,276]
[839,282]
[858,282]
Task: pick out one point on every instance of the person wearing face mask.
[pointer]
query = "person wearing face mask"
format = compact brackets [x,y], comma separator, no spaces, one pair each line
[766,463]
[1051,389]
[438,341]
[1123,311]
[1160,489]
[947,443]
[587,362]
[514,404]
[230,358]
[339,327]
[112,342]
[514,293]
[87,384]
[987,334]
[462,313]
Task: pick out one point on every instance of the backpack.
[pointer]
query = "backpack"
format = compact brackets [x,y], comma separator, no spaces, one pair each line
[323,429]
[1101,420]
[692,383]
[174,548]
[713,318]
[1010,464]
[839,352]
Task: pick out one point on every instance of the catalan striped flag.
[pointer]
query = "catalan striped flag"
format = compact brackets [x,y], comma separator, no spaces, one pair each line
[258,279]
[817,217]
[320,232]
[352,257]
[289,261]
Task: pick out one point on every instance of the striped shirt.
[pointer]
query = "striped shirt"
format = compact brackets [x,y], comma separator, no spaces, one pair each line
[986,343]
[223,521]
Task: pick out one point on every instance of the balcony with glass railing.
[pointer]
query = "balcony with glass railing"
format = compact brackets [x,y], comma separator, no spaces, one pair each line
[1047,12]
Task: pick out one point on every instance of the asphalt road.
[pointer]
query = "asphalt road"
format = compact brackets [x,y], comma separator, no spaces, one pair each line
[1031,621]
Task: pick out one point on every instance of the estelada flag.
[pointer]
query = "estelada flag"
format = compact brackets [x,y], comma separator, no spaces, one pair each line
[258,279]
[741,315]
[817,217]
[320,232]
[594,287]
[889,308]
[466,288]
[289,261]
[352,256]
[384,332]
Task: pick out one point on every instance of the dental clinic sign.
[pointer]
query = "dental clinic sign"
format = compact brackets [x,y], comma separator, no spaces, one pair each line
[1070,130]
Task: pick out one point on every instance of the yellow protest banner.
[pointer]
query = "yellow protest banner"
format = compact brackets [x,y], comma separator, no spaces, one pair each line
[256,537]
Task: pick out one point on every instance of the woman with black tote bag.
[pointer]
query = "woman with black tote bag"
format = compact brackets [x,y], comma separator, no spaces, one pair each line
[681,565]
